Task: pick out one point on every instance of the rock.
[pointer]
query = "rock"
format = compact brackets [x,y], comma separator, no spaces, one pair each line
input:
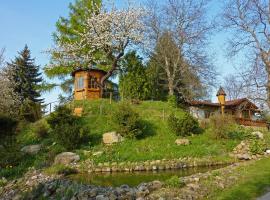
[111,138]
[98,153]
[182,142]
[258,134]
[243,156]
[31,149]
[101,197]
[66,158]
[154,185]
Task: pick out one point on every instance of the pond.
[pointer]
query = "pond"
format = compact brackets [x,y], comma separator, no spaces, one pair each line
[135,178]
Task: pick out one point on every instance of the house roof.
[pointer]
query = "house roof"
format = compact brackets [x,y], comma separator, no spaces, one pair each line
[80,69]
[231,103]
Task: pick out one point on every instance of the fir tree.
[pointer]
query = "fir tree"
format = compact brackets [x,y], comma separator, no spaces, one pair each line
[26,75]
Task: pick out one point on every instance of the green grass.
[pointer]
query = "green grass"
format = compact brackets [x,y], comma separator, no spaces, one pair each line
[254,182]
[158,142]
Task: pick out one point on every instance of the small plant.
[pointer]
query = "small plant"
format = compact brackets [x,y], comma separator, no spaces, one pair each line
[67,129]
[128,122]
[183,126]
[174,181]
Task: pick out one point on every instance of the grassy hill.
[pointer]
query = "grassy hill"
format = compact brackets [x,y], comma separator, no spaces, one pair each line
[159,142]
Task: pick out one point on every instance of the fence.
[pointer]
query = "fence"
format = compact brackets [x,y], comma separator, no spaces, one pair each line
[250,122]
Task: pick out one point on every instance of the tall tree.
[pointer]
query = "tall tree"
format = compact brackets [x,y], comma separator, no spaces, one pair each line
[108,32]
[25,73]
[173,75]
[68,32]
[181,27]
[133,82]
[249,21]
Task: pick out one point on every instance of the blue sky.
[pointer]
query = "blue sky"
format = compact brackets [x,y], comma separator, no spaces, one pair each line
[32,22]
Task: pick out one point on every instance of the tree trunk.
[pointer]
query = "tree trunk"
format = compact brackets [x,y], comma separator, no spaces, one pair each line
[109,73]
[268,86]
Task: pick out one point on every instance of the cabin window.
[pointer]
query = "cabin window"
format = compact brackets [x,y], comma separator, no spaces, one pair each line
[92,82]
[80,83]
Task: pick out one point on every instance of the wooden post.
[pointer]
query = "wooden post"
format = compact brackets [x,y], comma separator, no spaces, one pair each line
[110,97]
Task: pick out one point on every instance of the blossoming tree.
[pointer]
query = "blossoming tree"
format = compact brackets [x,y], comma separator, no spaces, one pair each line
[108,33]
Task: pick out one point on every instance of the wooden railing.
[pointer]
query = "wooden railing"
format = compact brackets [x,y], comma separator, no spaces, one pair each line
[250,122]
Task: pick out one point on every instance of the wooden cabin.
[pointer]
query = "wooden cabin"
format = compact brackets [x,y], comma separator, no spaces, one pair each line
[244,111]
[86,83]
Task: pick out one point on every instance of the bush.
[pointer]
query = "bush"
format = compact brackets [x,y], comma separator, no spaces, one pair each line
[128,122]
[174,181]
[8,127]
[183,126]
[41,128]
[257,146]
[224,126]
[30,111]
[172,101]
[67,129]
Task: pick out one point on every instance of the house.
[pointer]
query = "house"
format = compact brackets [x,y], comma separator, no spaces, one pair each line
[87,84]
[245,112]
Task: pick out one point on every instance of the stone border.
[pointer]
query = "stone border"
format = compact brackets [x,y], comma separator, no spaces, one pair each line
[88,166]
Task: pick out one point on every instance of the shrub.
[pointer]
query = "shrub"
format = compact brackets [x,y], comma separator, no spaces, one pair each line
[172,101]
[41,128]
[128,122]
[257,146]
[67,129]
[8,127]
[183,126]
[224,126]
[30,111]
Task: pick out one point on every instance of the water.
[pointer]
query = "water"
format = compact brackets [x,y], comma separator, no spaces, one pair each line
[135,178]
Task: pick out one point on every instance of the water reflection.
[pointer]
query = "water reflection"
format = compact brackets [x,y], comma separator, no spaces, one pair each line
[134,178]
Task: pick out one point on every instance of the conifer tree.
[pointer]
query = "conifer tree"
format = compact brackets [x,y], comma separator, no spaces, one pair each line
[25,73]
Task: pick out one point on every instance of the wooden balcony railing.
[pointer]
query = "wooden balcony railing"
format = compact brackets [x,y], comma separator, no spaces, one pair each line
[250,122]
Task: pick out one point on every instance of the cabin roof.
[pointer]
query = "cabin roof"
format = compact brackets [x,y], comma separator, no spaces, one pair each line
[80,69]
[231,103]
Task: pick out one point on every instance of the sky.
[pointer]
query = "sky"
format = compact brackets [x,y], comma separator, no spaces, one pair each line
[32,22]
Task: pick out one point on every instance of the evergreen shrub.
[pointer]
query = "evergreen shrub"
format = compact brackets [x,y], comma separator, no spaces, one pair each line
[67,129]
[128,122]
[183,126]
[41,128]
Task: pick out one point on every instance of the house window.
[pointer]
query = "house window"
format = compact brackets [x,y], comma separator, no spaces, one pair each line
[80,83]
[245,114]
[92,82]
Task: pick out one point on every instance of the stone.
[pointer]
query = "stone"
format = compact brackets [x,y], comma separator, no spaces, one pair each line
[258,134]
[101,197]
[31,149]
[182,142]
[111,138]
[66,158]
[98,153]
[154,185]
[243,156]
